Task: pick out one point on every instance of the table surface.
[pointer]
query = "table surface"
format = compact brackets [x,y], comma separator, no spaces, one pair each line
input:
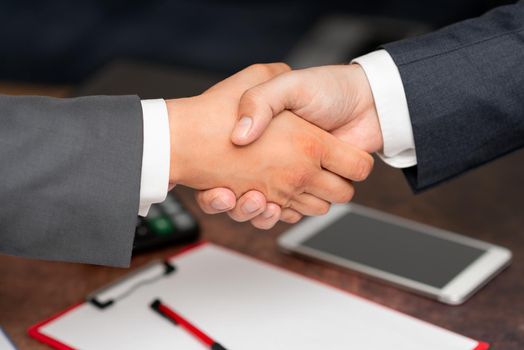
[485,203]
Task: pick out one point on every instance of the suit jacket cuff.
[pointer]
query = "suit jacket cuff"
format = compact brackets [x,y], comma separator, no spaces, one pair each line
[154,180]
[392,108]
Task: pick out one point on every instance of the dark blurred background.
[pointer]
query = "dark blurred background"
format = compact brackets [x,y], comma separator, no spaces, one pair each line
[66,41]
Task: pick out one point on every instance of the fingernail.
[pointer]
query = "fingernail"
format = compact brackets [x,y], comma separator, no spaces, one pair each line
[243,126]
[219,204]
[250,206]
[267,214]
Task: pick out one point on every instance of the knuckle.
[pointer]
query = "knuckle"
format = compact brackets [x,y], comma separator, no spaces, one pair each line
[199,197]
[295,218]
[261,69]
[285,216]
[324,208]
[299,179]
[311,147]
[251,96]
[203,201]
[280,67]
[279,195]
[290,216]
[345,196]
[363,167]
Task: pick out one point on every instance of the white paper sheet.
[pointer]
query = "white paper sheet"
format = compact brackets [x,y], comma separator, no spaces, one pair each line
[245,304]
[5,342]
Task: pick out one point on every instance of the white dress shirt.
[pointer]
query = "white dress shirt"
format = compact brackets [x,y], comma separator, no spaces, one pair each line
[154,180]
[392,108]
[390,101]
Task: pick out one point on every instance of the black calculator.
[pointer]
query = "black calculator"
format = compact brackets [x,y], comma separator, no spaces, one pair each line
[166,223]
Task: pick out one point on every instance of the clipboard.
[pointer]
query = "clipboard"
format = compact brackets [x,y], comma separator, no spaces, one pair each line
[244,303]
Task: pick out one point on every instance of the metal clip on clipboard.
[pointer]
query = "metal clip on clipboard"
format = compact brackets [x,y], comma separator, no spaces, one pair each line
[120,289]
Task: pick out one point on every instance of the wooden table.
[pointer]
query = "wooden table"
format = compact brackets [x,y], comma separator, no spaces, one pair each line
[486,204]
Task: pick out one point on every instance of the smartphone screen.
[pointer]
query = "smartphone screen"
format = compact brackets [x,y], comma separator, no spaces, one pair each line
[396,249]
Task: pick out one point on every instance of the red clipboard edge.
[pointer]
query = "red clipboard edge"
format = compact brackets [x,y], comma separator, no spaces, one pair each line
[34,331]
[482,346]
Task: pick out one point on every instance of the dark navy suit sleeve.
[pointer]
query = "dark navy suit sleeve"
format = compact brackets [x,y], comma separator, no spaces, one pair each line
[465,91]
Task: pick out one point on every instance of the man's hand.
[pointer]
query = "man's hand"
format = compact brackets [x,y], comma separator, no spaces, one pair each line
[335,98]
[293,164]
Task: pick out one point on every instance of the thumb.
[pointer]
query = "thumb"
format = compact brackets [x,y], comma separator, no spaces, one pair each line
[261,103]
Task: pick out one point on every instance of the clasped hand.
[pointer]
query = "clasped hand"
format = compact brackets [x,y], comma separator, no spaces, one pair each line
[293,168]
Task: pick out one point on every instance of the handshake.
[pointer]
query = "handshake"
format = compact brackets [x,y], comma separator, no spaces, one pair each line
[269,144]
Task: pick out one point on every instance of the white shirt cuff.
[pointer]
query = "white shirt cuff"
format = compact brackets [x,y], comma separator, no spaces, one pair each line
[154,181]
[392,108]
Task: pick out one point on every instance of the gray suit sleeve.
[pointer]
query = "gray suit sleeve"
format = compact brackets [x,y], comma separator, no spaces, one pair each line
[465,91]
[70,177]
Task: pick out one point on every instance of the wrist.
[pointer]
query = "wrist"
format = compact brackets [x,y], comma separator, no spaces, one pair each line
[365,111]
[177,109]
